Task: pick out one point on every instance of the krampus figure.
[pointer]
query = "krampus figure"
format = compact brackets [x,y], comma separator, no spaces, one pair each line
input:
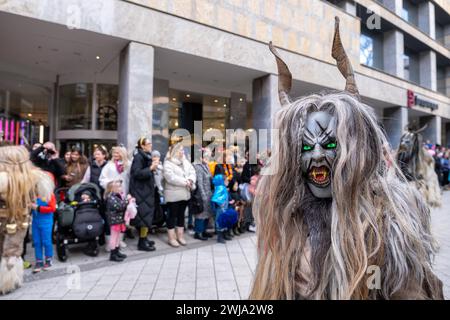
[418,165]
[338,213]
[20,181]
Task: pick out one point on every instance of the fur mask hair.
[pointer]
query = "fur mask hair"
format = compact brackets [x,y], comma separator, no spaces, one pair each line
[374,216]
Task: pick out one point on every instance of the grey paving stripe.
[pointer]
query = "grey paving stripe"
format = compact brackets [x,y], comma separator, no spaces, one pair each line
[135,257]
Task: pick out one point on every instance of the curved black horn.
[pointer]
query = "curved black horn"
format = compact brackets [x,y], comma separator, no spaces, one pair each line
[343,62]
[284,77]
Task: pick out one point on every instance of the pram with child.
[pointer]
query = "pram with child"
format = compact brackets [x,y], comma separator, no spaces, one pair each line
[78,218]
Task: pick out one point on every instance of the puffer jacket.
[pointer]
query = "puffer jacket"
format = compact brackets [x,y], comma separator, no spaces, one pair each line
[115,209]
[176,175]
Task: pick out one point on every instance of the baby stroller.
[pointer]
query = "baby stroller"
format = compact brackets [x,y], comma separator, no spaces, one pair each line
[77,221]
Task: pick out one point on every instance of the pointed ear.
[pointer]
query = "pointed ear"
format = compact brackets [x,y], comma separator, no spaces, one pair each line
[343,62]
[284,77]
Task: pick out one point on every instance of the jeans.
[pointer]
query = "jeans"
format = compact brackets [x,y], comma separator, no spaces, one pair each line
[200,225]
[42,235]
[217,212]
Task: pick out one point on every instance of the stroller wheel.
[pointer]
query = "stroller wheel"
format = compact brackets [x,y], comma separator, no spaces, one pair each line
[60,248]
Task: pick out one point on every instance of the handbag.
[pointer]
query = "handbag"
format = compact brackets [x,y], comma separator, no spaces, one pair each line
[195,202]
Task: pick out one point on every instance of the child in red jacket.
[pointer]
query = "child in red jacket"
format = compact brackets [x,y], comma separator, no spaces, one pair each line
[42,225]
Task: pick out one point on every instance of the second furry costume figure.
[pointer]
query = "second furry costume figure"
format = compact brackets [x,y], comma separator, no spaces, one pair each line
[20,182]
[338,204]
[418,165]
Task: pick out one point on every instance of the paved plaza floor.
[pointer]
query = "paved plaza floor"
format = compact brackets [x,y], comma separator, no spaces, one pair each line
[201,270]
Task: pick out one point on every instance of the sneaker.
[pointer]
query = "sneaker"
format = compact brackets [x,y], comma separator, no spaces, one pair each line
[251,228]
[38,267]
[48,264]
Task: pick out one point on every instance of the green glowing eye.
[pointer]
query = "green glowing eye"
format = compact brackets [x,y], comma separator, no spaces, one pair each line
[331,145]
[307,148]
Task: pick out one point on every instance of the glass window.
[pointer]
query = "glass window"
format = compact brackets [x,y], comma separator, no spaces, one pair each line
[107,100]
[405,14]
[366,50]
[406,66]
[24,108]
[75,106]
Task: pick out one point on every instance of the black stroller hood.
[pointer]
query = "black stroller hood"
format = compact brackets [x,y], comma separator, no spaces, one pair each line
[75,191]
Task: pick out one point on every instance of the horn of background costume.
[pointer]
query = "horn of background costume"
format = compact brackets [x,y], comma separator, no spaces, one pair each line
[343,62]
[284,77]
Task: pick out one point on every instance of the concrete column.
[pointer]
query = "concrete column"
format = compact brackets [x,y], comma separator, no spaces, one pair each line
[433,130]
[238,111]
[265,102]
[447,135]
[160,127]
[395,120]
[428,72]
[426,18]
[393,50]
[135,93]
[394,5]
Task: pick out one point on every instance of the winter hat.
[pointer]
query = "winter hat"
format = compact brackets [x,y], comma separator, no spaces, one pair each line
[156,153]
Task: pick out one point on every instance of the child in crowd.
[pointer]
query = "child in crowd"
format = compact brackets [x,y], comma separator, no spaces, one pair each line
[220,202]
[86,196]
[42,214]
[116,206]
[236,203]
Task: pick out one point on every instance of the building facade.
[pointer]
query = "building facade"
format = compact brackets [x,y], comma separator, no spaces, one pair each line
[84,72]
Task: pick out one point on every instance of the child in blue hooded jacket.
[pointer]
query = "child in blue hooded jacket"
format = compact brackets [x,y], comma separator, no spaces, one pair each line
[219,203]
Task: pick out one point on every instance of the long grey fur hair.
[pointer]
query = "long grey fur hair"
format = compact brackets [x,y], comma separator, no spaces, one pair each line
[374,217]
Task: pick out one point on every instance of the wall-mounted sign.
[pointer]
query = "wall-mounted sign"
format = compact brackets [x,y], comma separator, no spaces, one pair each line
[414,100]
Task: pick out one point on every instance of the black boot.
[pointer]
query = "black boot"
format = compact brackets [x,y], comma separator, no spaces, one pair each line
[242,228]
[143,245]
[120,254]
[200,236]
[207,234]
[230,234]
[220,237]
[236,231]
[151,243]
[114,257]
[226,236]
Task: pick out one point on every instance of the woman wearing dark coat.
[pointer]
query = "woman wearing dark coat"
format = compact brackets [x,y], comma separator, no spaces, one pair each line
[204,178]
[142,187]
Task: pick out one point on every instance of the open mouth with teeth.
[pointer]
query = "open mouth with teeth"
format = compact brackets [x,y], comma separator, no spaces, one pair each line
[320,176]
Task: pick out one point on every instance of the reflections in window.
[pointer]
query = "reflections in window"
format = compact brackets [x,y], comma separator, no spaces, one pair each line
[366,51]
[75,107]
[107,103]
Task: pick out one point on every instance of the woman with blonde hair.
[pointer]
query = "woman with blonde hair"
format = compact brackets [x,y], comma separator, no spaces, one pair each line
[180,178]
[20,182]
